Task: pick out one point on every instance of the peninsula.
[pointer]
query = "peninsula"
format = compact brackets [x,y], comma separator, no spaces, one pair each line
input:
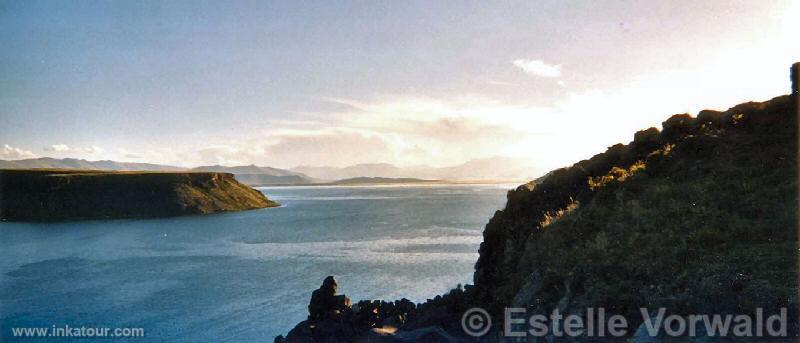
[57,194]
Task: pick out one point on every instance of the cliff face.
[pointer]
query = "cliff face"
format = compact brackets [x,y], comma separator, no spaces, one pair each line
[71,194]
[700,217]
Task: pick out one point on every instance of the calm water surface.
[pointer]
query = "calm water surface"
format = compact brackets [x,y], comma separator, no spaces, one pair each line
[244,276]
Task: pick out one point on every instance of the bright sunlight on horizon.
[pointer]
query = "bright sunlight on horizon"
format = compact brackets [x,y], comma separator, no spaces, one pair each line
[408,83]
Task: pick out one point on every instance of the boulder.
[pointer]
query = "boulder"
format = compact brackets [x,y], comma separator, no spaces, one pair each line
[677,125]
[710,118]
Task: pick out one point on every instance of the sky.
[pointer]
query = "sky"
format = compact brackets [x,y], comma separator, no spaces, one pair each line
[338,83]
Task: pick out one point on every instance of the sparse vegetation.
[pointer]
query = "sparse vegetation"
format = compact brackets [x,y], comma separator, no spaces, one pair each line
[699,218]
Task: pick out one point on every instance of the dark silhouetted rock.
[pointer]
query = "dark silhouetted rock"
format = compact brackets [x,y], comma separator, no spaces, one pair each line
[710,118]
[677,125]
[324,300]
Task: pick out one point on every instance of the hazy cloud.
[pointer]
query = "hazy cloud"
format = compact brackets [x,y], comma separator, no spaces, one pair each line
[130,154]
[448,130]
[93,149]
[11,153]
[399,130]
[57,147]
[538,68]
[66,148]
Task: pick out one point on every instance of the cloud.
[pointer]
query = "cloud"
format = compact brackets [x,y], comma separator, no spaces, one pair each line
[66,148]
[538,68]
[402,130]
[441,131]
[223,155]
[57,147]
[93,150]
[289,147]
[128,154]
[331,147]
[8,152]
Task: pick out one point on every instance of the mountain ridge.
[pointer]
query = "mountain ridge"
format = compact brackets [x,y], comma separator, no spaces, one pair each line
[82,164]
[494,169]
[491,168]
[250,174]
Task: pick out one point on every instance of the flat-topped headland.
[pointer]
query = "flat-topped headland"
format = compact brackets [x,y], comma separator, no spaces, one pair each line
[57,194]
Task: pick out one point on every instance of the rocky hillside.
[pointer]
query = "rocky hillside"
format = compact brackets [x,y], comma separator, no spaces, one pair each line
[698,217]
[72,194]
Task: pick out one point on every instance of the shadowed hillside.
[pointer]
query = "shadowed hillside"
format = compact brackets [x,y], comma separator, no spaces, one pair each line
[698,217]
[70,194]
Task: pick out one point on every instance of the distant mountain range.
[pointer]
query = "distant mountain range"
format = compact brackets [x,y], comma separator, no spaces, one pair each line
[359,170]
[495,168]
[262,176]
[251,175]
[488,169]
[380,181]
[72,163]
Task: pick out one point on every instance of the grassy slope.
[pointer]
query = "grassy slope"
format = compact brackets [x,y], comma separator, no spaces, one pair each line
[700,217]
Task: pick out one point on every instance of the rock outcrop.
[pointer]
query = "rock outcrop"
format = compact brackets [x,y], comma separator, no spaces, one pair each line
[325,303]
[42,195]
[332,318]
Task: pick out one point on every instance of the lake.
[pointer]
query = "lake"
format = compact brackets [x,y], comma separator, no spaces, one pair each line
[243,276]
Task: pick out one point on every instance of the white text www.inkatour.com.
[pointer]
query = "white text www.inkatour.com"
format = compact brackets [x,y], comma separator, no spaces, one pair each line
[80,331]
